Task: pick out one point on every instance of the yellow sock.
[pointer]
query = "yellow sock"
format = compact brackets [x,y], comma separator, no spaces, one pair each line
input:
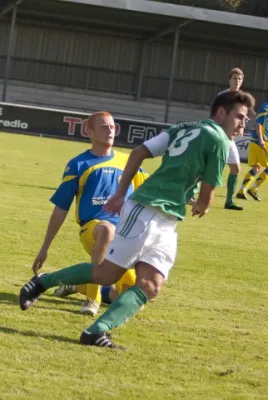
[248,180]
[128,279]
[91,291]
[261,179]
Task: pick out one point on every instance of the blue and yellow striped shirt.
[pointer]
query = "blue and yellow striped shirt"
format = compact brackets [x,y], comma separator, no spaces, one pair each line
[92,180]
[262,119]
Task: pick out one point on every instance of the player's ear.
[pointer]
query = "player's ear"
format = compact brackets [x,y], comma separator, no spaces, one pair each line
[221,113]
[89,132]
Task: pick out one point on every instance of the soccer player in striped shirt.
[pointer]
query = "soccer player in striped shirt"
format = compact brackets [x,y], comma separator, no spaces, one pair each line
[91,177]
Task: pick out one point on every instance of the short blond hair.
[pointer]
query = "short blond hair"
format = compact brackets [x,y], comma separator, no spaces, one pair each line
[92,118]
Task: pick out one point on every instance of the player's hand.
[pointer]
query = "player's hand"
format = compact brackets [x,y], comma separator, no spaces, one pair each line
[198,209]
[262,144]
[39,261]
[114,204]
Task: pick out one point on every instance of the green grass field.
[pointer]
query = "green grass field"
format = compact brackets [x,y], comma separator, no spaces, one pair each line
[205,337]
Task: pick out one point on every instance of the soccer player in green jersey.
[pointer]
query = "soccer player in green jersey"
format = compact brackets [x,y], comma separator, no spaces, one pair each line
[146,233]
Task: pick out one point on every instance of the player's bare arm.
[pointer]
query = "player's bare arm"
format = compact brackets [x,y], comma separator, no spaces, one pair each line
[134,162]
[140,153]
[56,220]
[259,134]
[201,206]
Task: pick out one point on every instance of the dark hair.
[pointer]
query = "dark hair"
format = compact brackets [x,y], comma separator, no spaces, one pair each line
[234,71]
[229,99]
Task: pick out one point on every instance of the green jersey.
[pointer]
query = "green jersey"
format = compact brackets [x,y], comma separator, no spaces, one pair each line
[193,152]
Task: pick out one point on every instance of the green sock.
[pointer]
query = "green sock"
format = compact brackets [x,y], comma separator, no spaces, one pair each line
[231,185]
[121,309]
[75,275]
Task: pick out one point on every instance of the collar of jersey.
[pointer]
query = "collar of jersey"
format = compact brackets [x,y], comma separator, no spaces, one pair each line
[104,158]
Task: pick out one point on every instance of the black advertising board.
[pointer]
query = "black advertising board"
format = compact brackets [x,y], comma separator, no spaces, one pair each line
[71,125]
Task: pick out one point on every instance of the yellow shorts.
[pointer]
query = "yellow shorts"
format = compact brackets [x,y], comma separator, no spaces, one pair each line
[86,235]
[257,156]
[87,240]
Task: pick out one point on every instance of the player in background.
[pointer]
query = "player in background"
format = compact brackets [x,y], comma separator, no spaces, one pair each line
[236,77]
[146,233]
[257,157]
[92,177]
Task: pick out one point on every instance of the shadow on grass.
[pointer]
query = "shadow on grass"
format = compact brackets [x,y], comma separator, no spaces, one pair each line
[11,331]
[31,186]
[37,186]
[13,299]
[8,298]
[54,300]
[75,312]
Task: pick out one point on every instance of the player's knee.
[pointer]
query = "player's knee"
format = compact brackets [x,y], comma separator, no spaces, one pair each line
[256,168]
[234,169]
[238,169]
[104,233]
[150,288]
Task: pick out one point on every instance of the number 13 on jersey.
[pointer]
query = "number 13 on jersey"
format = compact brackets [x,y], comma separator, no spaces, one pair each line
[180,144]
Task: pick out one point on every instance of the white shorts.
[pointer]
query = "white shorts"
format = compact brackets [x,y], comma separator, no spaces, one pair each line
[233,156]
[144,233]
